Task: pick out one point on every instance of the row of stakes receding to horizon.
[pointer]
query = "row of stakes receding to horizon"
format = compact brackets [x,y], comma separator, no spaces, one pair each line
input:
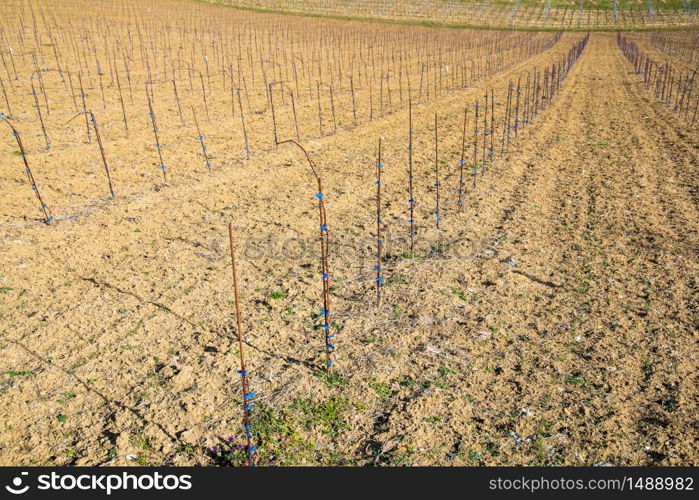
[523,102]
[541,94]
[502,53]
[670,84]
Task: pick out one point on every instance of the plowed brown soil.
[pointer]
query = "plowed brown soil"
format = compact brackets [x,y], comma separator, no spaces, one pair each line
[554,321]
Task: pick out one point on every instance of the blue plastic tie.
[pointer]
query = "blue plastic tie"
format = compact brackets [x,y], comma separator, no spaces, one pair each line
[326,275]
[324,227]
[242,372]
[249,395]
[319,196]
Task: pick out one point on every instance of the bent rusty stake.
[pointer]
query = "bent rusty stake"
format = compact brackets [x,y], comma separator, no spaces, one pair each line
[325,266]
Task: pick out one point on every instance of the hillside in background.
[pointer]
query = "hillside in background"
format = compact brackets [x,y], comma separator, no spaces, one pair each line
[546,14]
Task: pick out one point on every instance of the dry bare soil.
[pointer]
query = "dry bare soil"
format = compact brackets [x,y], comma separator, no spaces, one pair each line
[553,321]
